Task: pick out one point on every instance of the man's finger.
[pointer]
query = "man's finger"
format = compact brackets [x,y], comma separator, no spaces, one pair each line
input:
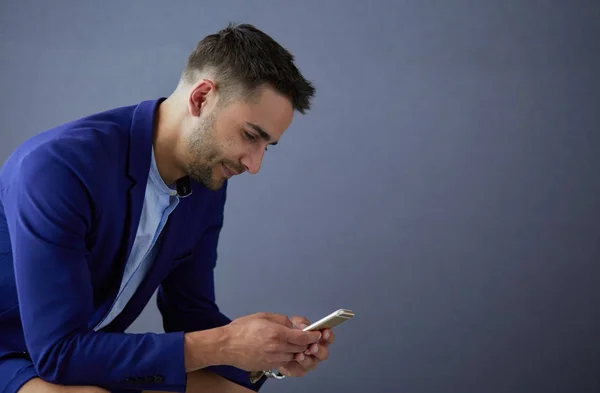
[322,352]
[279,319]
[294,348]
[300,337]
[300,322]
[285,358]
[328,336]
[308,363]
[312,349]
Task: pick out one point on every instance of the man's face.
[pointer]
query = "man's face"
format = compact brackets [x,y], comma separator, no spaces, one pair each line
[226,141]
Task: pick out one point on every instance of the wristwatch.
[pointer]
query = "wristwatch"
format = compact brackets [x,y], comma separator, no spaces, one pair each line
[255,376]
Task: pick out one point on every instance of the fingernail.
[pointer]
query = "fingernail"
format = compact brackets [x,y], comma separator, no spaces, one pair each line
[301,357]
[326,335]
[316,349]
[307,352]
[303,325]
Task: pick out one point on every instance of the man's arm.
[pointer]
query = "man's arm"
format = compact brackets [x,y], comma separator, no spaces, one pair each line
[186,299]
[49,210]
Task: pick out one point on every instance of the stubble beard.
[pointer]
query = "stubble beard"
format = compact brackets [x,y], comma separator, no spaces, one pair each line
[205,154]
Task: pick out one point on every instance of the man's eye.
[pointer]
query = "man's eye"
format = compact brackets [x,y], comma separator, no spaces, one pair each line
[249,136]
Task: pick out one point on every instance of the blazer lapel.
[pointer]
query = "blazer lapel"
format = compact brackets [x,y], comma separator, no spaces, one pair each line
[140,155]
[176,226]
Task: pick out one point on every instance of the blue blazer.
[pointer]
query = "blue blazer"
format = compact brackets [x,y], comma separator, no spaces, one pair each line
[70,202]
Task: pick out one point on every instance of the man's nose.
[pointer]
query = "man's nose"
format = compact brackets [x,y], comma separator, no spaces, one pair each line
[252,162]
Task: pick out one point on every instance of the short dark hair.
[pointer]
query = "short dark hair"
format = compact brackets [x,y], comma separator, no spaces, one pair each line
[242,56]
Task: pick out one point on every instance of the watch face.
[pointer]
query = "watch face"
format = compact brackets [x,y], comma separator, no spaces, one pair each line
[275,374]
[255,376]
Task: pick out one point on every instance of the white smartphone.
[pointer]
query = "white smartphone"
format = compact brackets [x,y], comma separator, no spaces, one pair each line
[328,322]
[331,320]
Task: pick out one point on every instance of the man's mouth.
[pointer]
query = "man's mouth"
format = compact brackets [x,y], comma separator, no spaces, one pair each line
[228,171]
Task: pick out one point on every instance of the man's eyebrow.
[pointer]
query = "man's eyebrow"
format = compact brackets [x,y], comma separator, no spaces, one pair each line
[263,134]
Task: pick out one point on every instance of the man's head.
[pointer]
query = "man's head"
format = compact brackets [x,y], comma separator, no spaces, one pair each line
[241,89]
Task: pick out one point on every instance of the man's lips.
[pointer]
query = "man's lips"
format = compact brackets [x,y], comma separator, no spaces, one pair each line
[229,172]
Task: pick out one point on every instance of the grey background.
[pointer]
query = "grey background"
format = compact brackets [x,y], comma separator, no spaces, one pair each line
[445,186]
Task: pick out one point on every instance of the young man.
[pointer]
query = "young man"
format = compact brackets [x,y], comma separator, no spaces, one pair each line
[98,213]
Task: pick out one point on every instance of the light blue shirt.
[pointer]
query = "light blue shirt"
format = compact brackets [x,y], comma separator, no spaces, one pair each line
[159,202]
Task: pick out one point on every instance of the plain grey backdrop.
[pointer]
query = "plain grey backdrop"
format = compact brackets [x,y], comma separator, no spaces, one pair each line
[445,186]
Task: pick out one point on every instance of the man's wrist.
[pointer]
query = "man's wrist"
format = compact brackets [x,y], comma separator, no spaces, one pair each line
[204,348]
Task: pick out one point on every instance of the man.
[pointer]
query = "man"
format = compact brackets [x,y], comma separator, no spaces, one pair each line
[98,213]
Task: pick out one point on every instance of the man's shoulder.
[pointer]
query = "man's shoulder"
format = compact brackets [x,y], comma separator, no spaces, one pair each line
[87,145]
[87,134]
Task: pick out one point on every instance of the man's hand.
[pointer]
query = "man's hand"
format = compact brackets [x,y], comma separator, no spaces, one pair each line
[264,341]
[310,358]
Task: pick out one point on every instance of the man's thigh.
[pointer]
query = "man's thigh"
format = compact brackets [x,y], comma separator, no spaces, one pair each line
[14,372]
[205,381]
[17,375]
[36,385]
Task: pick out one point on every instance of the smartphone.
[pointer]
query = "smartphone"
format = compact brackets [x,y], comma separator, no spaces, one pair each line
[331,320]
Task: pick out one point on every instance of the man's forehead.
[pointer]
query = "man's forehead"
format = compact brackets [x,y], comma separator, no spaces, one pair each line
[273,113]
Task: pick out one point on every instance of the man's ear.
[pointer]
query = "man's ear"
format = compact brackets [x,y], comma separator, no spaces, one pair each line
[199,95]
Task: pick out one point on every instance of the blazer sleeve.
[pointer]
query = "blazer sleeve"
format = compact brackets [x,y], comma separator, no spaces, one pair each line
[186,300]
[49,211]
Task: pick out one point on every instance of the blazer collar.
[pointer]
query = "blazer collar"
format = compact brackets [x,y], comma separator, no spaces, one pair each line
[141,138]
